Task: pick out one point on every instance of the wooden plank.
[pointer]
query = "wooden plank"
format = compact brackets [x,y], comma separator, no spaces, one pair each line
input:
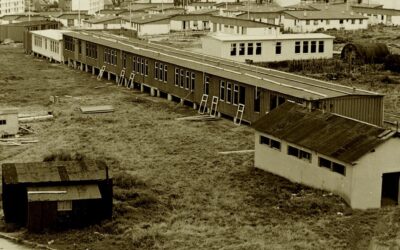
[237,152]
[96,109]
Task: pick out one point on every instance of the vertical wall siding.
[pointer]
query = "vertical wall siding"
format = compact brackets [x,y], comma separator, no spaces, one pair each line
[365,108]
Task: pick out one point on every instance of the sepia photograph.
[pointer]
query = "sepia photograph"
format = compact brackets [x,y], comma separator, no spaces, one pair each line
[199,124]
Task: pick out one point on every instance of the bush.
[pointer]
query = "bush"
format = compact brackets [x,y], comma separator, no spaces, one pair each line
[64,156]
[392,63]
[127,181]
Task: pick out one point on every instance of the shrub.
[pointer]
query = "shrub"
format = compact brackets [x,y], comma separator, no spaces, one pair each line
[392,63]
[127,181]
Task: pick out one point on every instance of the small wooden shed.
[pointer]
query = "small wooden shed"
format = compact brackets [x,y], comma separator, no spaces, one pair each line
[362,53]
[60,194]
[8,121]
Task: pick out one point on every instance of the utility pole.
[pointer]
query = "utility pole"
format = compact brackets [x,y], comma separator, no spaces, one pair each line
[79,13]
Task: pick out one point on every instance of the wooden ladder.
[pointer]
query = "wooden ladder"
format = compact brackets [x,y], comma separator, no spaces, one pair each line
[239,115]
[101,72]
[121,78]
[214,106]
[131,81]
[203,104]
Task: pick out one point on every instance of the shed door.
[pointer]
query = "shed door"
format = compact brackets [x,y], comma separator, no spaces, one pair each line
[390,189]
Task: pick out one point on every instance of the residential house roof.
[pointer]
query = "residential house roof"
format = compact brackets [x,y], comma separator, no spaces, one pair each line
[56,171]
[332,135]
[72,15]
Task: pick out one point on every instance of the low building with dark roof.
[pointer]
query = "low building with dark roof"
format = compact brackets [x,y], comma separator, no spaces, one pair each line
[377,15]
[56,194]
[103,23]
[147,24]
[351,158]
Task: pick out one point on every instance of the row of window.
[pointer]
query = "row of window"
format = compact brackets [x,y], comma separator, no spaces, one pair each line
[3,122]
[140,65]
[241,49]
[231,93]
[91,50]
[69,43]
[110,56]
[38,41]
[341,21]
[309,46]
[187,79]
[54,46]
[304,155]
[160,72]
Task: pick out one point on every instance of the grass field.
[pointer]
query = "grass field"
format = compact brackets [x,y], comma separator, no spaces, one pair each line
[172,189]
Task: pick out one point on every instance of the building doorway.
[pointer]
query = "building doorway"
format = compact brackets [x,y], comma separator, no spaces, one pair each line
[390,189]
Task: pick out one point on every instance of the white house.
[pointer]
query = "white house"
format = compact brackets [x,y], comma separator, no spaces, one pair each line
[379,15]
[201,6]
[91,6]
[72,19]
[8,121]
[311,21]
[269,48]
[195,20]
[356,160]
[48,43]
[103,23]
[285,3]
[10,7]
[148,24]
[387,4]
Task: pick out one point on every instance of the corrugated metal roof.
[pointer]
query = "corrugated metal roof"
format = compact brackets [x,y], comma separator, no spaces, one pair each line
[273,80]
[104,19]
[336,136]
[64,193]
[57,171]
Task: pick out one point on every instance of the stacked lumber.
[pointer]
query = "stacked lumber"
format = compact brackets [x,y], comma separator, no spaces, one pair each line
[198,118]
[96,109]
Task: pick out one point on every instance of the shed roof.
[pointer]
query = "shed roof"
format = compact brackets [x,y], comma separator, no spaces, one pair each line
[339,137]
[273,80]
[32,23]
[376,11]
[52,172]
[64,193]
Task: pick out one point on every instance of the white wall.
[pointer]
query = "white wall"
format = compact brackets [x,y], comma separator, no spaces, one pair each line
[92,6]
[101,25]
[45,49]
[153,29]
[8,7]
[11,126]
[177,25]
[313,25]
[220,48]
[285,3]
[302,171]
[367,178]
